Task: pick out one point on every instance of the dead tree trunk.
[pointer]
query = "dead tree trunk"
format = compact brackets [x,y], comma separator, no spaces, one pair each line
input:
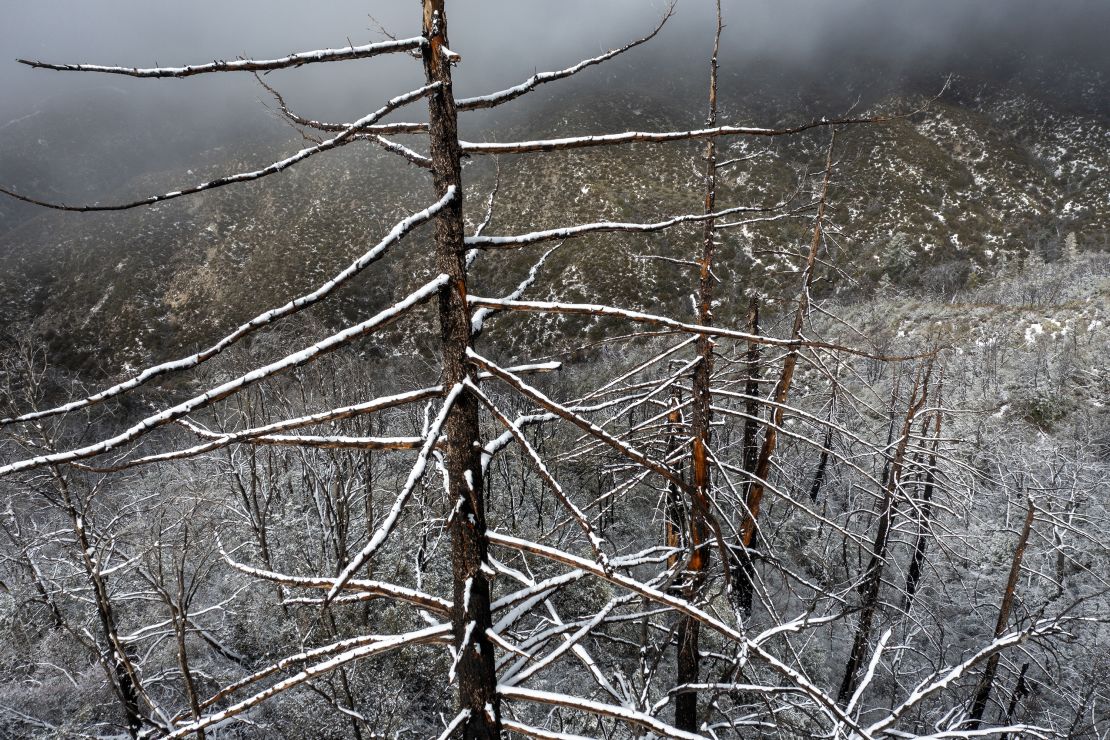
[913,577]
[742,569]
[470,613]
[782,389]
[986,682]
[675,515]
[873,577]
[114,657]
[689,659]
[1021,688]
[822,462]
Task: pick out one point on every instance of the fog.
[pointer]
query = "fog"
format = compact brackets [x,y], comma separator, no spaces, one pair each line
[503,41]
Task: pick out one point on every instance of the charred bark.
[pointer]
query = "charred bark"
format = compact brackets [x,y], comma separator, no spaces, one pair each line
[913,576]
[757,485]
[470,613]
[986,681]
[822,466]
[688,659]
[872,579]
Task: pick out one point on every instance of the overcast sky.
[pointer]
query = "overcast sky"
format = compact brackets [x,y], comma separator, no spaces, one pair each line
[503,41]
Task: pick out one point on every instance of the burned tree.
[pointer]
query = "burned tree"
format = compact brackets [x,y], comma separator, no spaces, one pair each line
[429,564]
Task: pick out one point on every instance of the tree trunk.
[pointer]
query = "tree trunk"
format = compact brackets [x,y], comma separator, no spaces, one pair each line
[757,484]
[470,614]
[986,682]
[742,571]
[873,577]
[114,657]
[675,516]
[913,577]
[688,659]
[822,464]
[1021,688]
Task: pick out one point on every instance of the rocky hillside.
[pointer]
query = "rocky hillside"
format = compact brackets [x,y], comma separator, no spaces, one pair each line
[934,203]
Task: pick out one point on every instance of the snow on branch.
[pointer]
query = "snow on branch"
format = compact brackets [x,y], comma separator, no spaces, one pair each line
[244,65]
[436,633]
[593,309]
[570,232]
[638,369]
[502,441]
[383,128]
[371,133]
[1022,731]
[540,734]
[393,147]
[869,676]
[478,320]
[540,398]
[415,474]
[629,716]
[454,724]
[263,319]
[523,600]
[504,96]
[231,387]
[827,704]
[377,588]
[577,514]
[658,137]
[219,440]
[340,442]
[936,684]
[348,135]
[570,642]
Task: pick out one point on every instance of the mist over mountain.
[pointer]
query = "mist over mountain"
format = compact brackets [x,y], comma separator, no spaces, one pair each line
[1006,160]
[85,138]
[856,45]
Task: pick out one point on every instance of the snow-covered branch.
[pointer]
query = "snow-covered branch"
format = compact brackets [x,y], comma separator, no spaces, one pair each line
[658,137]
[937,684]
[345,53]
[504,96]
[265,318]
[540,398]
[348,135]
[436,633]
[231,387]
[570,232]
[593,309]
[629,716]
[415,474]
[377,588]
[681,605]
[577,514]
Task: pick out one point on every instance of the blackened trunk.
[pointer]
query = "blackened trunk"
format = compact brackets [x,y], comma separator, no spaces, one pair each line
[470,615]
[872,580]
[688,658]
[986,682]
[742,573]
[822,464]
[689,669]
[913,577]
[1021,688]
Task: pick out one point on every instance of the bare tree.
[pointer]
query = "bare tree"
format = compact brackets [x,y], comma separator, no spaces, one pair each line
[437,561]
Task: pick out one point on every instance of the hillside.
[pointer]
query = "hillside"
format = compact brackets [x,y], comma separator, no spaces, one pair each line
[933,203]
